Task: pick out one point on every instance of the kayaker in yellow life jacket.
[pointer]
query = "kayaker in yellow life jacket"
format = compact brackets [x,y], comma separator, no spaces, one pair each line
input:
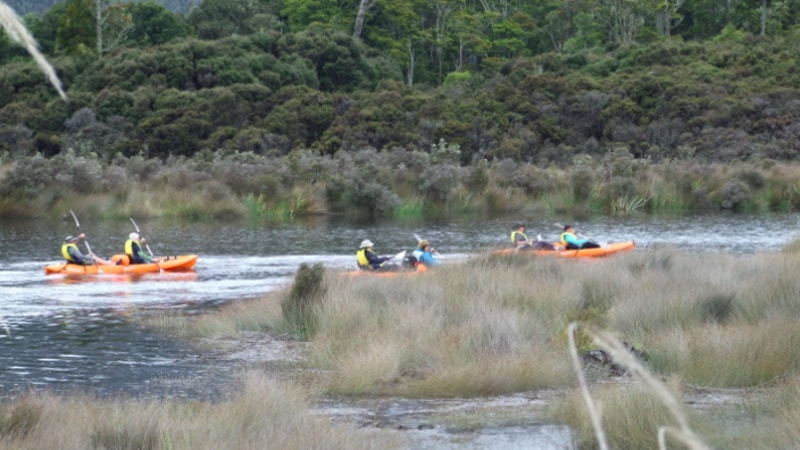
[367,259]
[133,248]
[71,252]
[518,236]
[520,240]
[571,240]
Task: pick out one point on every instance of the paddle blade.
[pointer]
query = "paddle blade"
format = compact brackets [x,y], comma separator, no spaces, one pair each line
[419,239]
[400,255]
[77,224]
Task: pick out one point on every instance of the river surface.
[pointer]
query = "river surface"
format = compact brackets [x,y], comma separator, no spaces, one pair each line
[61,333]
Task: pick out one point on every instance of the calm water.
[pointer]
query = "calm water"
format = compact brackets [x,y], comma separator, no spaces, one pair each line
[76,333]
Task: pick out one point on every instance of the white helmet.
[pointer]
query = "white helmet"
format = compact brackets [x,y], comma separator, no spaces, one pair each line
[134,236]
[366,243]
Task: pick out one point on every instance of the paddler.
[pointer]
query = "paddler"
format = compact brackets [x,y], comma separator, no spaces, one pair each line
[71,252]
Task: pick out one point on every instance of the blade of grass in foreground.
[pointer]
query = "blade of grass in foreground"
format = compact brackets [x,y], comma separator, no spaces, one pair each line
[11,22]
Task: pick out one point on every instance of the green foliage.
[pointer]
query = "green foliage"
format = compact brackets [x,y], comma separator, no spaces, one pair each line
[299,307]
[730,34]
[154,24]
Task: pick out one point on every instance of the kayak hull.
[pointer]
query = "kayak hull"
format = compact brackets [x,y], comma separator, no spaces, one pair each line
[610,249]
[419,268]
[165,264]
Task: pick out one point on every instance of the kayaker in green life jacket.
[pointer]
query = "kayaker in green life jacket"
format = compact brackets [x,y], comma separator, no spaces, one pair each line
[571,240]
[133,248]
[367,259]
[520,240]
[71,252]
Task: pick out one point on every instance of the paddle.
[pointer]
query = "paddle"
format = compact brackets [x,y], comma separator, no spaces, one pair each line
[146,245]
[85,241]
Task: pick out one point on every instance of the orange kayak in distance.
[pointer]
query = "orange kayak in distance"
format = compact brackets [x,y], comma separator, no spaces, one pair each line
[610,249]
[166,264]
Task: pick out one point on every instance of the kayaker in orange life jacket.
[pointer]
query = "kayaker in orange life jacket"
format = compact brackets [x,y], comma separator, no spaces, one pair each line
[133,248]
[71,252]
[367,259]
[570,239]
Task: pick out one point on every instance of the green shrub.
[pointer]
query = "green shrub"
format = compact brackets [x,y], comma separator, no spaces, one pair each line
[299,306]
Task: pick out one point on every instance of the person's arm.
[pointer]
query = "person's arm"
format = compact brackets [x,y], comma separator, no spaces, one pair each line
[77,255]
[141,254]
[374,260]
[428,259]
[571,239]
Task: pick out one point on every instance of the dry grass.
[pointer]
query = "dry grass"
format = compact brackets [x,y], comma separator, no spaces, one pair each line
[496,325]
[266,414]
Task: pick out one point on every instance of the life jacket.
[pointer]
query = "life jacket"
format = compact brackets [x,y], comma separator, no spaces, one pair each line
[132,249]
[129,247]
[514,236]
[361,259]
[564,237]
[65,252]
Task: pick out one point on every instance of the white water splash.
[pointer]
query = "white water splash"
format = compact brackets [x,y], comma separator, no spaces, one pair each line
[11,22]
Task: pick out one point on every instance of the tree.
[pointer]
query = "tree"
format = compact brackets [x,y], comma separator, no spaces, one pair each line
[76,30]
[153,24]
[666,13]
[302,13]
[624,18]
[112,24]
[215,19]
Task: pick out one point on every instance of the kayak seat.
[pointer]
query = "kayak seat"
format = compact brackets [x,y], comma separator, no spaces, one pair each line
[410,262]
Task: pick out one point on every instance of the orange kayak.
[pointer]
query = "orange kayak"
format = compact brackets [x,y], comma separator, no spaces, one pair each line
[610,249]
[387,274]
[119,265]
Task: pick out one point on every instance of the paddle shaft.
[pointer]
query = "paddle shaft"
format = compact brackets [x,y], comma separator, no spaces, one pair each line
[146,245]
[85,241]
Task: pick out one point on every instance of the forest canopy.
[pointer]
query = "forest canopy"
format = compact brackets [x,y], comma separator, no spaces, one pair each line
[534,81]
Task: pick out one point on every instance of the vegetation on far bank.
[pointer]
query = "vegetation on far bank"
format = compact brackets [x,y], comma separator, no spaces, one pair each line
[536,82]
[395,183]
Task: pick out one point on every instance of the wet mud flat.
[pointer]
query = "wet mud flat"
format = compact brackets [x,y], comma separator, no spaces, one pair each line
[503,422]
[500,422]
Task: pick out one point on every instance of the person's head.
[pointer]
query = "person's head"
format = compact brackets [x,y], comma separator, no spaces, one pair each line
[423,244]
[70,239]
[134,236]
[519,226]
[568,228]
[366,243]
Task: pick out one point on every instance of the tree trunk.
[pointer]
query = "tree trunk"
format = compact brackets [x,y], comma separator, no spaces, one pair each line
[363,7]
[98,16]
[412,59]
[763,17]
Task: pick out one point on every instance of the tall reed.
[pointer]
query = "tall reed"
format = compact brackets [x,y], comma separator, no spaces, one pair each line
[15,29]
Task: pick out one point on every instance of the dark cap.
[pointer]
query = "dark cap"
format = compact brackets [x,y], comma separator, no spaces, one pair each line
[567,227]
[70,238]
[519,225]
